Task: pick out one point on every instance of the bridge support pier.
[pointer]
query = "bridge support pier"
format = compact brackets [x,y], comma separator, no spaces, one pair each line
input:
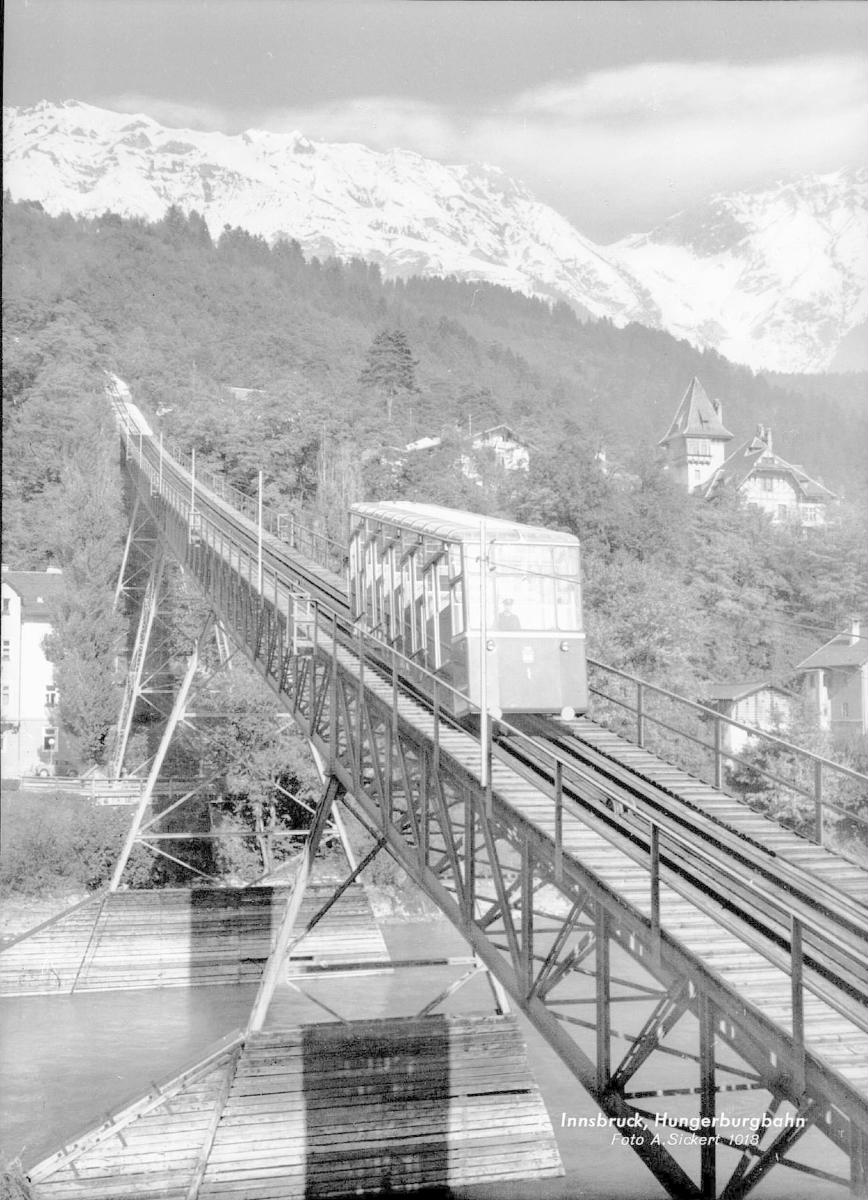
[572,898]
[178,710]
[277,958]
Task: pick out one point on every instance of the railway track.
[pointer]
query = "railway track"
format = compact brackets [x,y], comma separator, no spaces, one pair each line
[746,885]
[734,865]
[765,952]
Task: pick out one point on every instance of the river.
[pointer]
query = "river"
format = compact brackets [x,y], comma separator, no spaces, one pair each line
[68,1060]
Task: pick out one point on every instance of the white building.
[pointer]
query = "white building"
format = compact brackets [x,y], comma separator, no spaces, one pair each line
[763,479]
[758,703]
[695,441]
[31,737]
[510,452]
[836,682]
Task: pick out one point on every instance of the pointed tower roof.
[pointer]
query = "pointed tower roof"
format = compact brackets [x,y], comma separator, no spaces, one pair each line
[697,416]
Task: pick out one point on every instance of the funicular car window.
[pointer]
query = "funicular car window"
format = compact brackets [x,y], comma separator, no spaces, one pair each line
[370,591]
[410,643]
[530,588]
[567,587]
[391,581]
[438,635]
[355,598]
[444,613]
[456,585]
[432,656]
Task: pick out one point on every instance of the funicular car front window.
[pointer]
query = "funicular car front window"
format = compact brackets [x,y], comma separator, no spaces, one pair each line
[533,587]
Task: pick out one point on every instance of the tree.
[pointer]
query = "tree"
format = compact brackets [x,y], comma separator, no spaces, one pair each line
[390,368]
[269,783]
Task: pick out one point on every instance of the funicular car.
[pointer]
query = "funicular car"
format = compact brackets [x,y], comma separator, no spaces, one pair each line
[438,585]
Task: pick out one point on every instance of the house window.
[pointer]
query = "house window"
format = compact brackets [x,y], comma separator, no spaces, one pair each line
[6,653]
[5,606]
[700,446]
[49,738]
[768,483]
[50,696]
[845,710]
[5,696]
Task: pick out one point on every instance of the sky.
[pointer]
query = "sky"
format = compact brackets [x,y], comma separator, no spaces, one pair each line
[617,113]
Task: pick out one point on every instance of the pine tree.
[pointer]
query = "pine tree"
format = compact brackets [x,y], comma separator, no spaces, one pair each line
[390,367]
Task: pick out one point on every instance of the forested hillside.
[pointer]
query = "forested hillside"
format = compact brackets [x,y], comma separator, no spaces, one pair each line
[345,367]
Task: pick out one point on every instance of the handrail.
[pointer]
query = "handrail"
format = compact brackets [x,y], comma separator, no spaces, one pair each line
[376,651]
[338,551]
[818,766]
[272,519]
[327,622]
[711,712]
[386,660]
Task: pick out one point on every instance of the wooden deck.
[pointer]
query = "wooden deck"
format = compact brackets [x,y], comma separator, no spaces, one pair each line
[825,864]
[837,1041]
[365,1108]
[180,938]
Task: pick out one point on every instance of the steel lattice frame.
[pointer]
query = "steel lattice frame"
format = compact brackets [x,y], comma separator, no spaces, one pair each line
[544,925]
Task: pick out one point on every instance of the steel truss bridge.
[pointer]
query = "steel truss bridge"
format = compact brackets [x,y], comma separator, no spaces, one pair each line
[684,972]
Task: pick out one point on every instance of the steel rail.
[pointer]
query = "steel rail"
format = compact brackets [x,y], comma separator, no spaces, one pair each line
[753,852]
[330,594]
[838,966]
[356,711]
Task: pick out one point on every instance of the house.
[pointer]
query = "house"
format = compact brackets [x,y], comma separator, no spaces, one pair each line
[32,741]
[836,682]
[758,703]
[763,479]
[695,442]
[510,452]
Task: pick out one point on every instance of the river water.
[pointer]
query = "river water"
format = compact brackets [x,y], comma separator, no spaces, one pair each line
[68,1060]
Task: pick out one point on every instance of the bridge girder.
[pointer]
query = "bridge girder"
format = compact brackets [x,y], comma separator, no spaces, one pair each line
[548,927]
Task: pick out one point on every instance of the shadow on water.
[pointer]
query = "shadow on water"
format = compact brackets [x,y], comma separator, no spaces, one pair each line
[232,931]
[393,1082]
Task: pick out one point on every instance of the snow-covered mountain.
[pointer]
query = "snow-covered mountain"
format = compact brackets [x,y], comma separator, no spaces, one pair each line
[774,279]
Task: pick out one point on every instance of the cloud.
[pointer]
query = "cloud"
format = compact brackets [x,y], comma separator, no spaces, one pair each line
[630,144]
[175,114]
[617,149]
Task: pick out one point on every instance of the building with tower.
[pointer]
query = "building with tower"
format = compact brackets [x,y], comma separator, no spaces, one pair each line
[695,442]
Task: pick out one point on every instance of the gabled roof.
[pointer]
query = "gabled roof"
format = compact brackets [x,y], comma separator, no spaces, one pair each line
[842,651]
[696,417]
[504,431]
[36,589]
[754,457]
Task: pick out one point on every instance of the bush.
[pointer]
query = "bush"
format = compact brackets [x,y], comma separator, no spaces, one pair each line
[63,842]
[14,1184]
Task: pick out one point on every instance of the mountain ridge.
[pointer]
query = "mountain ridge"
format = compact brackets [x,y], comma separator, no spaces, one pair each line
[774,280]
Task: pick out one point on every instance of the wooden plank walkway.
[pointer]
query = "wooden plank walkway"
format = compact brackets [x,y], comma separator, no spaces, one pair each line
[837,1041]
[181,938]
[848,877]
[365,1108]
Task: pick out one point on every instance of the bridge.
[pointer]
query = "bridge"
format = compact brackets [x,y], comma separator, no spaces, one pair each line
[560,850]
